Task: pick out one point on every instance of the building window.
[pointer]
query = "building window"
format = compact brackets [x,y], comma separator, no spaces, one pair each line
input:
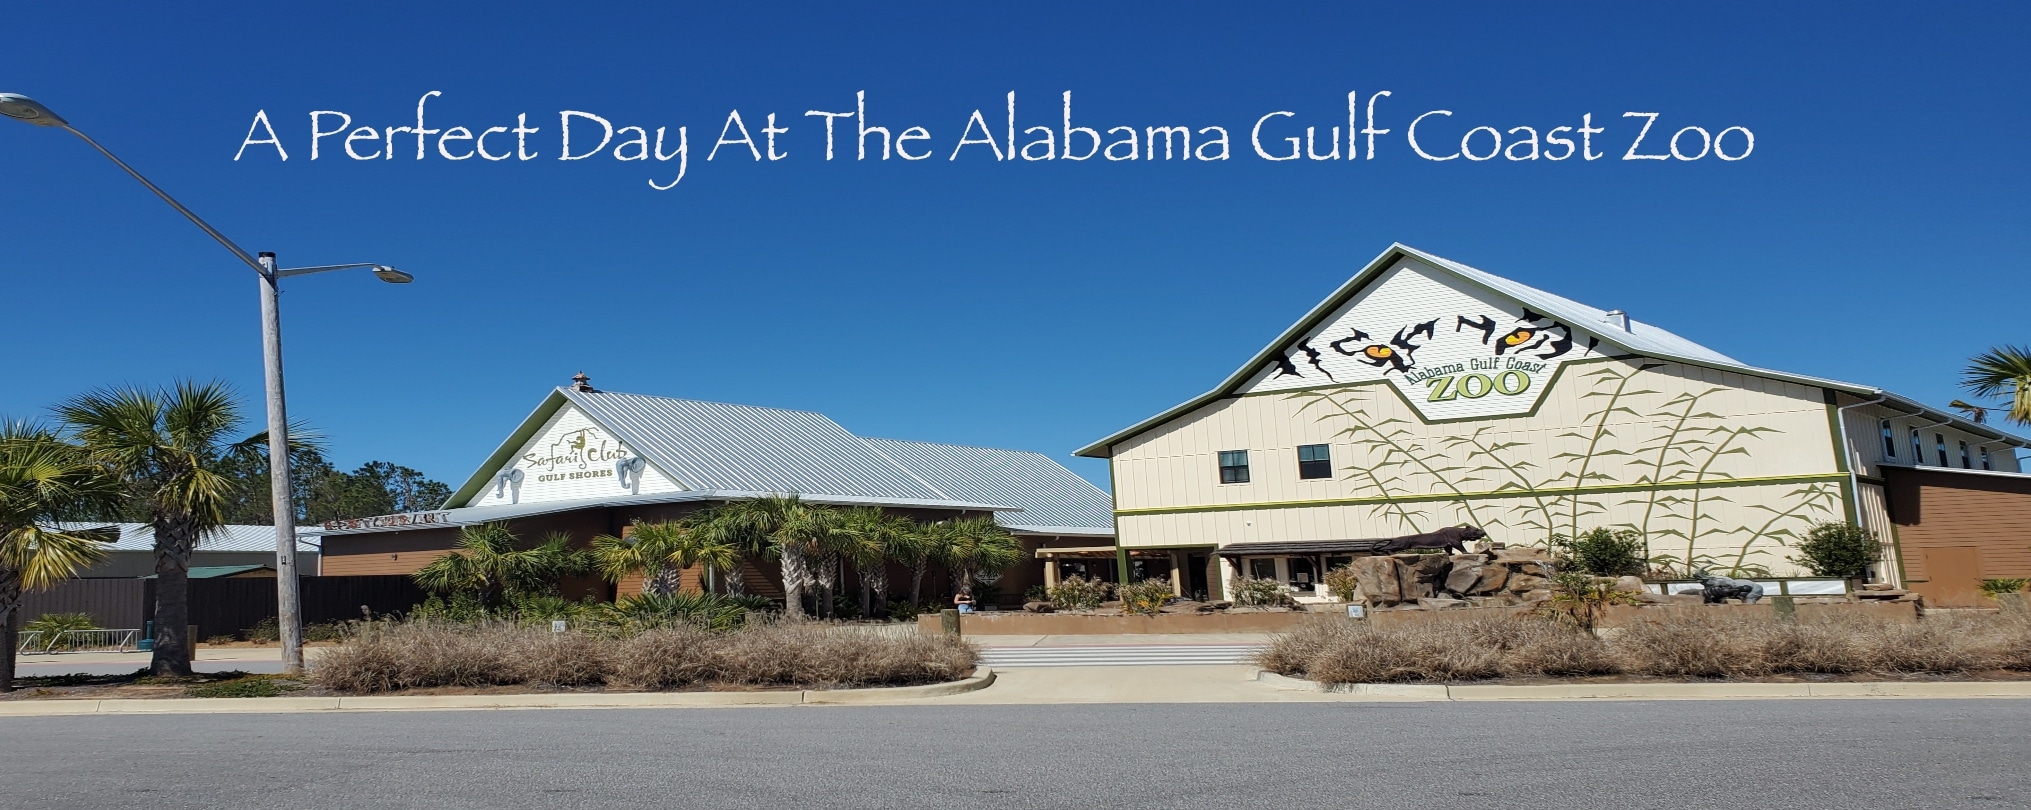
[1965,462]
[1917,448]
[1985,459]
[1889,440]
[1315,461]
[1939,442]
[1262,569]
[1234,465]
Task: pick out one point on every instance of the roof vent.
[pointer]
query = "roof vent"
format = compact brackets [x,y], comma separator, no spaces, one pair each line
[580,382]
[1618,318]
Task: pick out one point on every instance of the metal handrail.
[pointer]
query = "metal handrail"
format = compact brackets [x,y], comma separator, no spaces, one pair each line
[80,641]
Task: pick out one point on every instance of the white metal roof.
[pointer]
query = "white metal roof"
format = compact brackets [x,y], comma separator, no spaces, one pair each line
[141,537]
[1640,338]
[716,445]
[721,451]
[1054,500]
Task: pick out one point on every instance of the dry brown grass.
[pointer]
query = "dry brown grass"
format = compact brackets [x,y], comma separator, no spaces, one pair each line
[1669,643]
[417,655]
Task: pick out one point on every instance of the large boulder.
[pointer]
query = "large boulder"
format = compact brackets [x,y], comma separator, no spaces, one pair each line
[1521,554]
[1381,582]
[1040,607]
[1441,603]
[1422,575]
[1465,573]
[1520,582]
[1493,578]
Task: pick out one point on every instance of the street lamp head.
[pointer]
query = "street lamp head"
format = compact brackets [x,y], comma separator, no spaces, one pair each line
[392,275]
[28,110]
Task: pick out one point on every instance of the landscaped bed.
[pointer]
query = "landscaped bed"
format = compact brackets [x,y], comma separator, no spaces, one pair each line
[1679,644]
[496,657]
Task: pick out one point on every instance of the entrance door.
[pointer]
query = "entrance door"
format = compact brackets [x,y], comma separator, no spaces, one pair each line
[1954,575]
[1195,577]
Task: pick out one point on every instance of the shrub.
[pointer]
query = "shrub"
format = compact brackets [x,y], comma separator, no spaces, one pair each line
[1838,550]
[1998,587]
[1342,582]
[1582,598]
[1078,593]
[265,631]
[1146,597]
[50,624]
[1686,642]
[1253,592]
[390,656]
[1604,552]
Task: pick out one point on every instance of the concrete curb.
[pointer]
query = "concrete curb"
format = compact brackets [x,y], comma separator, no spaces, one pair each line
[1655,691]
[982,678]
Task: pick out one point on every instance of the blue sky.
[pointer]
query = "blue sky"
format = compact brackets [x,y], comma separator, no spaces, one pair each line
[1876,234]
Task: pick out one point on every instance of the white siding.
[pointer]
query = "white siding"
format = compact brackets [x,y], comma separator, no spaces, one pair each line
[571,457]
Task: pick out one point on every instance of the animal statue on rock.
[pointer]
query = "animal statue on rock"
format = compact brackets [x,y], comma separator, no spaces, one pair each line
[1455,538]
[1716,588]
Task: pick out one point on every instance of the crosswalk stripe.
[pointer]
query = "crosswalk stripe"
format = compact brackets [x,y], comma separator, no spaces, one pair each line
[1126,655]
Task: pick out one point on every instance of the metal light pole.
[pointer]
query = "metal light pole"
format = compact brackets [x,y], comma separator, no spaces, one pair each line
[28,110]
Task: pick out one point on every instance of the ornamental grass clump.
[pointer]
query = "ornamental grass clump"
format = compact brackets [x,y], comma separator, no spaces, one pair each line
[1674,643]
[391,656]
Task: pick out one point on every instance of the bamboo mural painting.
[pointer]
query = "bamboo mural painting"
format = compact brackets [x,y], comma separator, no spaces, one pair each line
[1658,455]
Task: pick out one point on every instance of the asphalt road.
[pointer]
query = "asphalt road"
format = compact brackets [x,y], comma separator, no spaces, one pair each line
[1873,754]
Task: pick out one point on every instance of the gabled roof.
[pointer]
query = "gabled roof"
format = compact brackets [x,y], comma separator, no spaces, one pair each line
[237,537]
[715,445]
[1640,339]
[721,451]
[1054,500]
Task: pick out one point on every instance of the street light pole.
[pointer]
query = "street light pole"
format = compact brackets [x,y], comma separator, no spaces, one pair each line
[283,503]
[287,603]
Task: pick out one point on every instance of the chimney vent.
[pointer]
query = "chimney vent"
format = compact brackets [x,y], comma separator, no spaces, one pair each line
[580,382]
[1618,318]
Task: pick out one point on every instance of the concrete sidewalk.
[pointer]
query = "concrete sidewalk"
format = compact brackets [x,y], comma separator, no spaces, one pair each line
[1122,639]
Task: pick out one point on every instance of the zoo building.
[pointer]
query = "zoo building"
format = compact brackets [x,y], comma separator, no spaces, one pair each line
[1425,393]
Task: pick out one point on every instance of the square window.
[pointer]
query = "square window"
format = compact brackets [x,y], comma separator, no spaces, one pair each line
[1315,461]
[1262,569]
[1234,466]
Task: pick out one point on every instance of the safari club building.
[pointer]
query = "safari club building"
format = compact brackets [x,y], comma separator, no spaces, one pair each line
[1425,393]
[588,462]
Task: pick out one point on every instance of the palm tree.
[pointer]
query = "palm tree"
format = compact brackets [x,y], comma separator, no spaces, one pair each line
[171,449]
[872,538]
[660,552]
[784,527]
[917,545]
[487,564]
[972,545]
[43,480]
[2002,371]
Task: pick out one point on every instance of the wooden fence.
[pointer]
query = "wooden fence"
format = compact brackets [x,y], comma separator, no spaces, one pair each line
[224,606]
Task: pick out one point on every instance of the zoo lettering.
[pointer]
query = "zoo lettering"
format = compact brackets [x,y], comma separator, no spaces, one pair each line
[1452,380]
[866,132]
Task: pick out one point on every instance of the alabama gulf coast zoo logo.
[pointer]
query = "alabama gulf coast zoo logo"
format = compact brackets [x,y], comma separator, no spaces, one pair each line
[1449,367]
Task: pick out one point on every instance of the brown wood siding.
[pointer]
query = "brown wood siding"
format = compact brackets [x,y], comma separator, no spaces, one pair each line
[1941,514]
